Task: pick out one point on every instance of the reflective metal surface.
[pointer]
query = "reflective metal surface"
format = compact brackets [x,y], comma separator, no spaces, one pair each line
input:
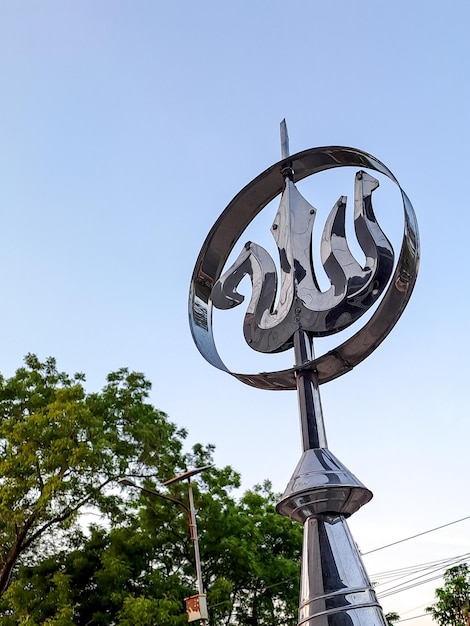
[335,588]
[301,304]
[312,427]
[322,485]
[255,261]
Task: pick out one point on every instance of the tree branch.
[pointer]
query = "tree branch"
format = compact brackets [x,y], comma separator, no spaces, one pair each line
[65,514]
[14,553]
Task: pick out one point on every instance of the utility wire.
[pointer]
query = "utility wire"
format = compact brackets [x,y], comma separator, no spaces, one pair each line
[413,610]
[416,584]
[414,536]
[383,578]
[406,585]
[407,619]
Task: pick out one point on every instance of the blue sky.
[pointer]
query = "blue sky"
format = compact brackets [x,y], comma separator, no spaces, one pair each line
[126,128]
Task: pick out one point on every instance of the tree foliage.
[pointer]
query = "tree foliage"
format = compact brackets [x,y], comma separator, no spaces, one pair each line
[61,448]
[64,449]
[452,607]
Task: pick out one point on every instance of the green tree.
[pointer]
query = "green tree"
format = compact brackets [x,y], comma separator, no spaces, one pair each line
[452,607]
[144,566]
[391,618]
[259,555]
[62,449]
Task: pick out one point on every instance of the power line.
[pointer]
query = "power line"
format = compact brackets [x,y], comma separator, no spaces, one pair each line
[407,619]
[410,584]
[415,608]
[414,536]
[383,578]
[416,584]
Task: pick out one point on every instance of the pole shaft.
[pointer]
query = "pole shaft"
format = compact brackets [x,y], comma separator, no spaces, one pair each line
[193,530]
[308,395]
[194,537]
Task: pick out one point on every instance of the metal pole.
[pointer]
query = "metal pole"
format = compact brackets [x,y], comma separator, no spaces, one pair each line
[334,587]
[193,531]
[308,394]
[194,537]
[190,512]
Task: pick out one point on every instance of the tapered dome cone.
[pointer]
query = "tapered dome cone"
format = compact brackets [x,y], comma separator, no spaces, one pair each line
[322,485]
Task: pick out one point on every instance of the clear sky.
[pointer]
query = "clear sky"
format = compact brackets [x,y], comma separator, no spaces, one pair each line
[127,127]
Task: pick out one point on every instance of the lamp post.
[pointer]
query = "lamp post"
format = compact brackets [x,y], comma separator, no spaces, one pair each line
[196,606]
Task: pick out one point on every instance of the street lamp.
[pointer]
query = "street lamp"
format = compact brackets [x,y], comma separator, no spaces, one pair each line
[196,606]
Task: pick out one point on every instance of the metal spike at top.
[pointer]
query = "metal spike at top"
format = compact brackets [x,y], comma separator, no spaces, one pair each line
[284,140]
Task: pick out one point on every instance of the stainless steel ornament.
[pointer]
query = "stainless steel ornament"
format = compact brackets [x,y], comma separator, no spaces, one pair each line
[291,310]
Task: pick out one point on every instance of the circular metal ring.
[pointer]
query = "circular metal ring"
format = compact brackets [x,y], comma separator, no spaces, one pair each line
[229,228]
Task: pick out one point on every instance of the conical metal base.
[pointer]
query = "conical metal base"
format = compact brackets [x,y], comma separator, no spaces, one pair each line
[335,589]
[322,485]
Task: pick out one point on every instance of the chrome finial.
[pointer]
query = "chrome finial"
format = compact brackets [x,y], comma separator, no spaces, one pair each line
[322,492]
